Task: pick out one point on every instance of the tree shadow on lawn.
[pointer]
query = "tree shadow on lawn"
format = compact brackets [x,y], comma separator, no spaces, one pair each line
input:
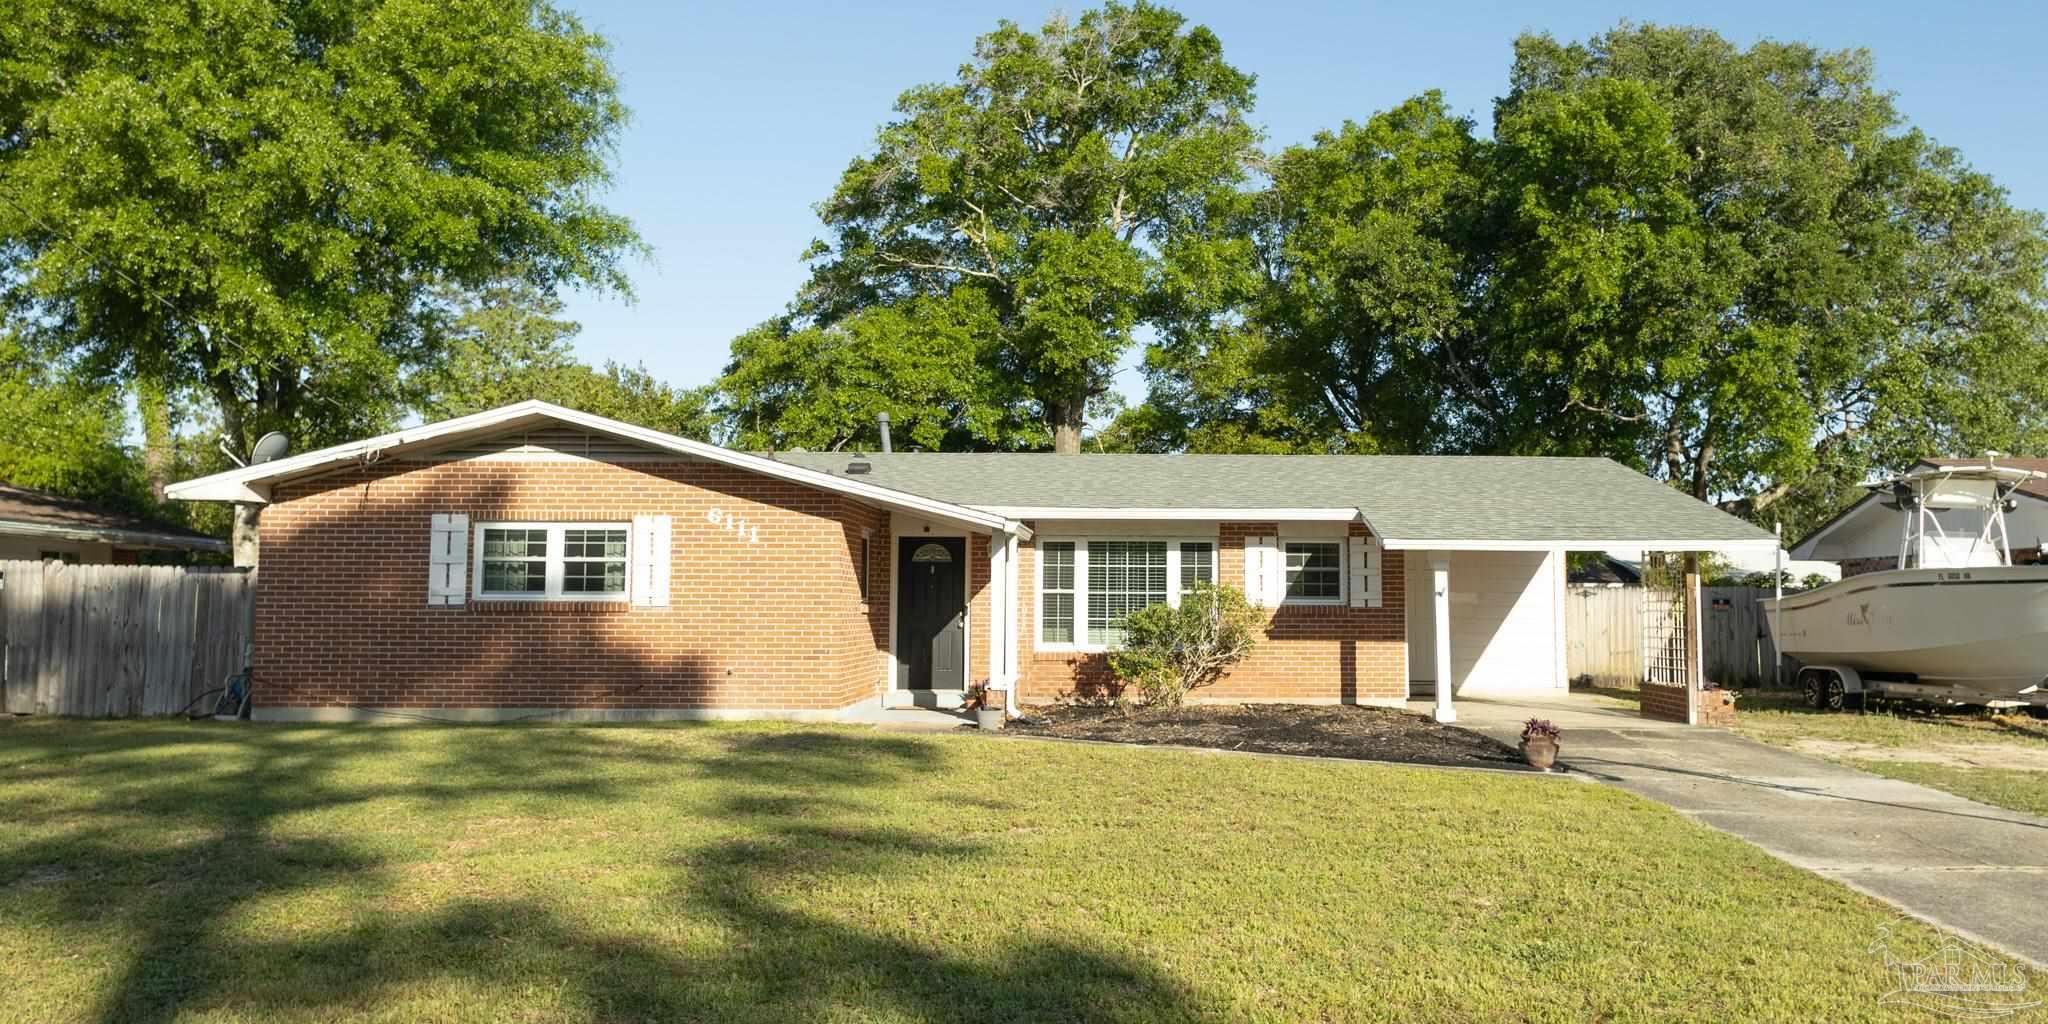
[774,961]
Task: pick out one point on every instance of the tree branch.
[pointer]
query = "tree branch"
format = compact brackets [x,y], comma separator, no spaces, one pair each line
[950,268]
[1604,411]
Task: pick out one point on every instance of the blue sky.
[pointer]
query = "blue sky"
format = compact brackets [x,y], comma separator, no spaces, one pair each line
[745,113]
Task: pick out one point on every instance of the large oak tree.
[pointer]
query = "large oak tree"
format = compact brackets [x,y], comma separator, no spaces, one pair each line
[1041,197]
[261,200]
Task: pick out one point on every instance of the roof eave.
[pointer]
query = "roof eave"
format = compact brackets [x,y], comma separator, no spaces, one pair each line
[1600,544]
[117,536]
[1057,512]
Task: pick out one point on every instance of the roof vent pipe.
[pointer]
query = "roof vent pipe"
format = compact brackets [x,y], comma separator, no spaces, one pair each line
[882,420]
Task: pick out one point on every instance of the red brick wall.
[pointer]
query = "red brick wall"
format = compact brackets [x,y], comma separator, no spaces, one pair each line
[1320,653]
[342,618]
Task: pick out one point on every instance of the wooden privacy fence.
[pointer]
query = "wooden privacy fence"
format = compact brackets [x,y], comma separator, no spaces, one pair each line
[1603,632]
[116,640]
[1605,636]
[1739,651]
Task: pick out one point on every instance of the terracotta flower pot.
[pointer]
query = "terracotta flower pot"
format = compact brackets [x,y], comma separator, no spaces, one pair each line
[1540,752]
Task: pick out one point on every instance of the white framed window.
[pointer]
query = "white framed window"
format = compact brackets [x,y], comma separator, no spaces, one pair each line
[552,561]
[1197,564]
[1315,571]
[1087,585]
[1124,576]
[1056,593]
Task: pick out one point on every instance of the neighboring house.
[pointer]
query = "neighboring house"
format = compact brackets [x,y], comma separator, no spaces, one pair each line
[535,558]
[1605,570]
[1866,536]
[40,525]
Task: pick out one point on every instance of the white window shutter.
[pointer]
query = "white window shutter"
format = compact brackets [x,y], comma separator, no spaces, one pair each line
[448,566]
[1265,578]
[1375,574]
[1254,572]
[650,561]
[1357,588]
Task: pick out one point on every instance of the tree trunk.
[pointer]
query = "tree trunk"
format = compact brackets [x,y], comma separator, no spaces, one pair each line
[1066,418]
[154,404]
[243,543]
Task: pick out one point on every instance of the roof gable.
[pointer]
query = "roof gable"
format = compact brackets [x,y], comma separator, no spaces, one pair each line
[251,484]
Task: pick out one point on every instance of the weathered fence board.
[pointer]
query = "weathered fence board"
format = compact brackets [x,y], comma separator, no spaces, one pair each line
[1739,648]
[1604,636]
[117,640]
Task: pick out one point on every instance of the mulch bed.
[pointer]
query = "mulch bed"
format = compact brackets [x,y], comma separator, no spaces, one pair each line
[1368,733]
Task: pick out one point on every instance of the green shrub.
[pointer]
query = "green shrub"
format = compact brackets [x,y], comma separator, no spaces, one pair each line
[1168,651]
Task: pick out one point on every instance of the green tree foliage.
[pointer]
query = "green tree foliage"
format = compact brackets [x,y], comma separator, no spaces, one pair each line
[1741,268]
[64,434]
[928,363]
[260,199]
[1354,298]
[1738,269]
[1052,198]
[509,344]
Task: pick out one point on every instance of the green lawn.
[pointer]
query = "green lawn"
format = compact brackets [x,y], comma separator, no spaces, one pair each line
[1997,759]
[215,872]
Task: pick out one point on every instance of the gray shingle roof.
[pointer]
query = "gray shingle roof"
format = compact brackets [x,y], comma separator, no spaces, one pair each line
[1404,497]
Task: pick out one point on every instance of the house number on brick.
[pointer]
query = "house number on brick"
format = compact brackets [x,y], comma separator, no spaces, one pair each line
[718,517]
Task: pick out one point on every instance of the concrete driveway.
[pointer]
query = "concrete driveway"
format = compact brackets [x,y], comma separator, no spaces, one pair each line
[1981,872]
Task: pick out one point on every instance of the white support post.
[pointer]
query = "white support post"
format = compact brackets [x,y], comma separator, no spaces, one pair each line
[1777,607]
[1012,672]
[1002,610]
[1440,578]
[1695,667]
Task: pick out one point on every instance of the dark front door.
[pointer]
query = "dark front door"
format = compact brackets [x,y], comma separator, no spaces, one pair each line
[931,624]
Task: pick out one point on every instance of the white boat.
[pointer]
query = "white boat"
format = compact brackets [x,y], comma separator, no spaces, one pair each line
[1954,621]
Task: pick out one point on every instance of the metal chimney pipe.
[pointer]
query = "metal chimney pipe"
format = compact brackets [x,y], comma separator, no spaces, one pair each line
[882,420]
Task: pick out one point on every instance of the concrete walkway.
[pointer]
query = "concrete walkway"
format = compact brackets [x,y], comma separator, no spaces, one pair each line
[1979,871]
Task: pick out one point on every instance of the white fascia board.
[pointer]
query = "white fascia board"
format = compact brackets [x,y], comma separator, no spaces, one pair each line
[1241,515]
[1399,544]
[249,483]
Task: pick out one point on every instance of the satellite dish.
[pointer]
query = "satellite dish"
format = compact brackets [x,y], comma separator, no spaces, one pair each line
[269,447]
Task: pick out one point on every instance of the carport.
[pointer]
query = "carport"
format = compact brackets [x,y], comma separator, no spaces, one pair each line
[1485,593]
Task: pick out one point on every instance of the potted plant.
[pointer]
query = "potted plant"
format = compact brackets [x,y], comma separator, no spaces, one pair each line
[1539,743]
[986,704]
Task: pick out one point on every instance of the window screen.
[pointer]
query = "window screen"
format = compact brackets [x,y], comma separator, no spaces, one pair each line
[1123,577]
[1315,570]
[1056,592]
[515,561]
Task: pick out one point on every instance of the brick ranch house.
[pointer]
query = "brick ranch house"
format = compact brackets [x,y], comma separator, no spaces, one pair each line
[534,559]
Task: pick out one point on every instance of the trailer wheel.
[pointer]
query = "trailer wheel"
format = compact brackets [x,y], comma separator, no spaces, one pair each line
[1812,690]
[1837,693]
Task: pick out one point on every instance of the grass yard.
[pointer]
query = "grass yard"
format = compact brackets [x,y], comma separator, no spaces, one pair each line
[155,871]
[1995,759]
